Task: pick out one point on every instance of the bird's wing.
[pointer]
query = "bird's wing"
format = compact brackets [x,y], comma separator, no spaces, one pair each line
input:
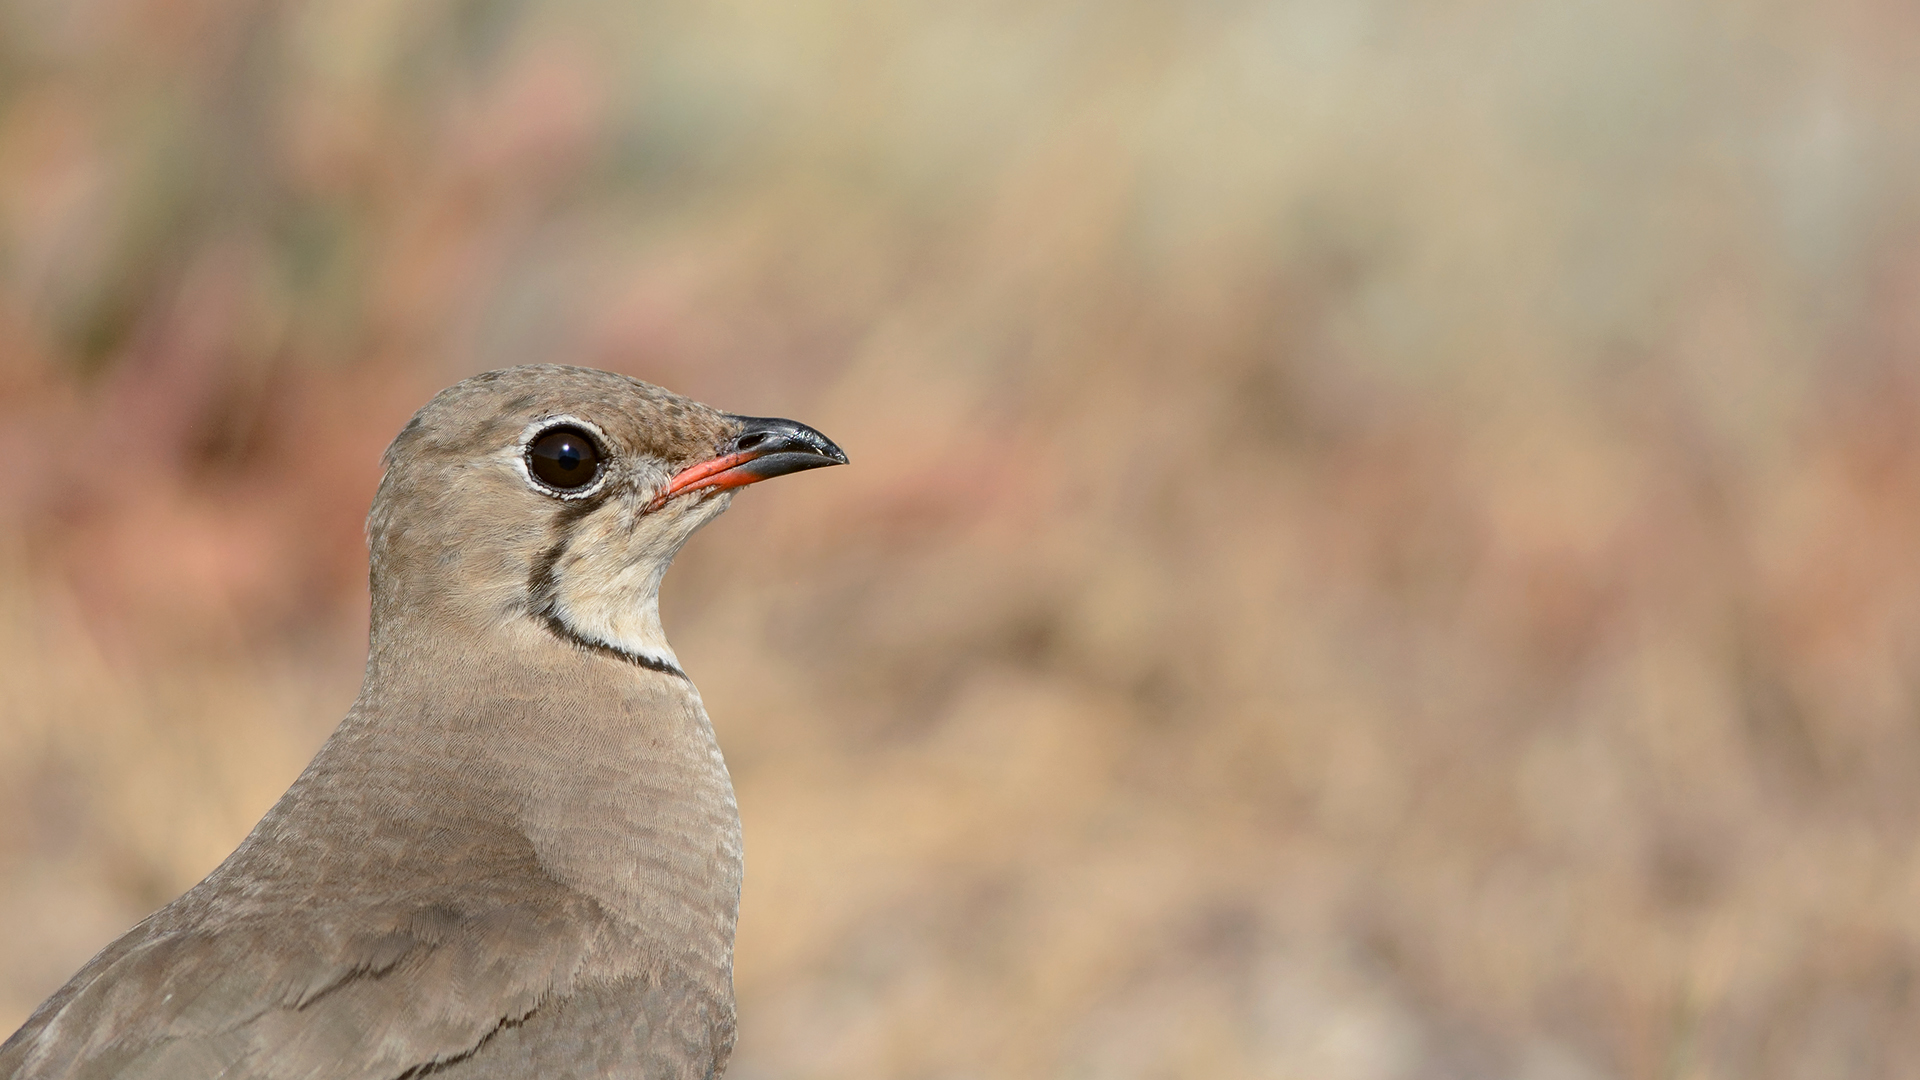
[374,994]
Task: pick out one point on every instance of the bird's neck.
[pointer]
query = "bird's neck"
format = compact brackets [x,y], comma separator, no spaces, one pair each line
[609,769]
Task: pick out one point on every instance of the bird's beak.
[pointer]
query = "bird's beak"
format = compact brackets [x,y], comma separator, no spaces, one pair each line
[764,448]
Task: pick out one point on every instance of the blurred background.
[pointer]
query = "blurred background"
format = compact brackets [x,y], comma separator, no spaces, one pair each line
[1383,541]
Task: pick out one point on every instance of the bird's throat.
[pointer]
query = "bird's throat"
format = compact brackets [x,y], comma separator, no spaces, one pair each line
[644,644]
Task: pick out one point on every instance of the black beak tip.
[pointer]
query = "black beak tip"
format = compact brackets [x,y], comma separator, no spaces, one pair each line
[784,446]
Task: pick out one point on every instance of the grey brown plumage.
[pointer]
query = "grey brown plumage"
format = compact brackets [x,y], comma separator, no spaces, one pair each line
[519,854]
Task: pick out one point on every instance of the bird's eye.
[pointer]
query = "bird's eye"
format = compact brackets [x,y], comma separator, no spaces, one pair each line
[565,459]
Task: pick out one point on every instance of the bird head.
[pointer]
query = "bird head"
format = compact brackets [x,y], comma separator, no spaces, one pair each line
[557,496]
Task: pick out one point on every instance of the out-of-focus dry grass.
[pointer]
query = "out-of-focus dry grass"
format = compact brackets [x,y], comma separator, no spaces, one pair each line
[1384,540]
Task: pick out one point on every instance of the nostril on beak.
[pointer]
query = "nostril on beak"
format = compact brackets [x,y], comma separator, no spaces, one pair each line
[765,437]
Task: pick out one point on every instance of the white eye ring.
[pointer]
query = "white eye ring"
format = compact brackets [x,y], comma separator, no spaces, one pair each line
[539,428]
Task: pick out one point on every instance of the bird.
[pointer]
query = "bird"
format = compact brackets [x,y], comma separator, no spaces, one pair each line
[519,854]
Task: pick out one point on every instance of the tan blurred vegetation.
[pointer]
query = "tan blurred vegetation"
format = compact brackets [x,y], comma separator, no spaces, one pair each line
[1383,541]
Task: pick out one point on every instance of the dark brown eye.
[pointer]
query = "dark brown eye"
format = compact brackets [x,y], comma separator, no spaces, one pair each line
[564,458]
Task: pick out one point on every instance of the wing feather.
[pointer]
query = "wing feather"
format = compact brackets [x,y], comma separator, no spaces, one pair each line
[365,994]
